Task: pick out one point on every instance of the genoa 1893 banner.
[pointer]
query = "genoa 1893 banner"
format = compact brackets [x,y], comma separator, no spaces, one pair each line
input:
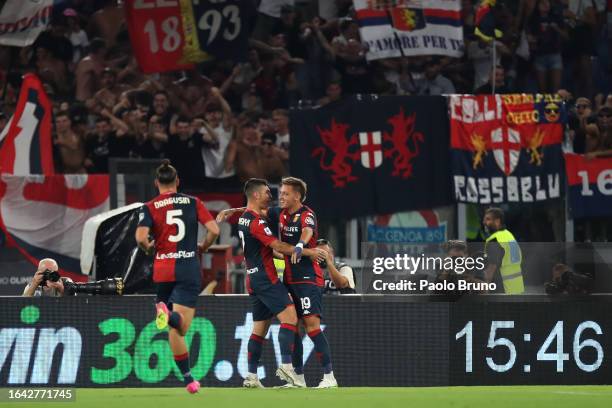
[367,155]
[590,186]
[172,34]
[507,148]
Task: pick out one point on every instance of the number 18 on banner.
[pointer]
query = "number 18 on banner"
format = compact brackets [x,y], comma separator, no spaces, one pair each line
[157,34]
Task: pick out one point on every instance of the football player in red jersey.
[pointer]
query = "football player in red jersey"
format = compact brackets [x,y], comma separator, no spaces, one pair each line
[303,277]
[268,295]
[297,225]
[172,218]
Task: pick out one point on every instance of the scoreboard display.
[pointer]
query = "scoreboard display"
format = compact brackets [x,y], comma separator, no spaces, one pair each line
[530,343]
[400,341]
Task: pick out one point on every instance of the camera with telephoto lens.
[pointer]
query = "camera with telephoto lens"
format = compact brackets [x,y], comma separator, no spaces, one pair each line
[110,286]
[49,275]
[570,282]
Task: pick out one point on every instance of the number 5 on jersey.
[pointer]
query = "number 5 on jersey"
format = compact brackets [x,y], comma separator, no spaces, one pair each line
[172,218]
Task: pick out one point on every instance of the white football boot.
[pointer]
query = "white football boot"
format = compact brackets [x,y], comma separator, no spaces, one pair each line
[286,373]
[252,381]
[328,381]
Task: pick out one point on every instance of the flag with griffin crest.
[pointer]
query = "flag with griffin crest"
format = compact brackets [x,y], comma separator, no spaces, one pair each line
[368,155]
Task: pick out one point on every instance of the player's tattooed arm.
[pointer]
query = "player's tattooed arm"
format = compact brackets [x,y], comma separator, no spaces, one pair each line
[225,214]
[142,239]
[212,232]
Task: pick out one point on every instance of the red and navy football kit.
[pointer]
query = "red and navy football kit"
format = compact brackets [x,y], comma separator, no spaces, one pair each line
[173,219]
[304,279]
[268,295]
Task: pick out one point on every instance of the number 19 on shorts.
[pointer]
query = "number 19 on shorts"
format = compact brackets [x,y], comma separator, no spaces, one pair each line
[305,302]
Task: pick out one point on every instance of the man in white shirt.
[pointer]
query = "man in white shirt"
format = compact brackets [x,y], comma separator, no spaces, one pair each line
[216,140]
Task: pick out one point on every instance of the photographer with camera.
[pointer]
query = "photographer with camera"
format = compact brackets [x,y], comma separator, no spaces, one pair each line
[339,277]
[46,281]
[566,281]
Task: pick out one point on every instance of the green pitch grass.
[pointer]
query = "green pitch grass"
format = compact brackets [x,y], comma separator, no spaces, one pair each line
[434,397]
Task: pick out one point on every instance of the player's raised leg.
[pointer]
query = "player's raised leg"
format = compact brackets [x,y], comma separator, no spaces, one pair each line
[312,324]
[179,319]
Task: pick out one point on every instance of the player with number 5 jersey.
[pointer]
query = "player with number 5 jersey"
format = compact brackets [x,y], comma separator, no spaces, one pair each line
[172,219]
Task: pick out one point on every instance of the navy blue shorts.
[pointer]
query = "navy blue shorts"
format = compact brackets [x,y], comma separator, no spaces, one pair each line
[308,299]
[269,300]
[183,293]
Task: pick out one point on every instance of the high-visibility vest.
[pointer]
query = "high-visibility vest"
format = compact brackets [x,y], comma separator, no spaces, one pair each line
[279,264]
[510,268]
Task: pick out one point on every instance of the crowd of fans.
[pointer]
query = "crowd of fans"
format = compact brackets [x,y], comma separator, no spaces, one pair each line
[226,122]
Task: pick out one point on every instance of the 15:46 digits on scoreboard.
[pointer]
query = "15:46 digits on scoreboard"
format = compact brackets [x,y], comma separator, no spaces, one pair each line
[586,348]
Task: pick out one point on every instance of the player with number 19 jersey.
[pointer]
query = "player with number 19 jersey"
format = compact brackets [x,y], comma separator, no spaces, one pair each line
[173,219]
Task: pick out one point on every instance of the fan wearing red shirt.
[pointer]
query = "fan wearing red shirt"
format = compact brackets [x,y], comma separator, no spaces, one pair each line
[172,219]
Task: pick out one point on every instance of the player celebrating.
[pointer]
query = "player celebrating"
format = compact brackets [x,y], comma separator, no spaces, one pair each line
[268,295]
[303,276]
[173,218]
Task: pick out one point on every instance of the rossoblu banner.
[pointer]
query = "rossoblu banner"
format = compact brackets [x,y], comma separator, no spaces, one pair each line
[375,341]
[507,148]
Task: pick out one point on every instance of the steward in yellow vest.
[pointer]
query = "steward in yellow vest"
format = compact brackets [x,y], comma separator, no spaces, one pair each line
[503,253]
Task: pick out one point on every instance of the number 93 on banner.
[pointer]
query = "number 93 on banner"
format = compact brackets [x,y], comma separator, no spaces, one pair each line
[157,34]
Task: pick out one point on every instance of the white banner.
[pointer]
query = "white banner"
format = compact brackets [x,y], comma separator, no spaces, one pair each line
[411,27]
[43,216]
[21,21]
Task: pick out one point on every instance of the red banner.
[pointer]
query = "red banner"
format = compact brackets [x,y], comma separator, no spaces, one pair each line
[507,148]
[590,186]
[27,145]
[156,33]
